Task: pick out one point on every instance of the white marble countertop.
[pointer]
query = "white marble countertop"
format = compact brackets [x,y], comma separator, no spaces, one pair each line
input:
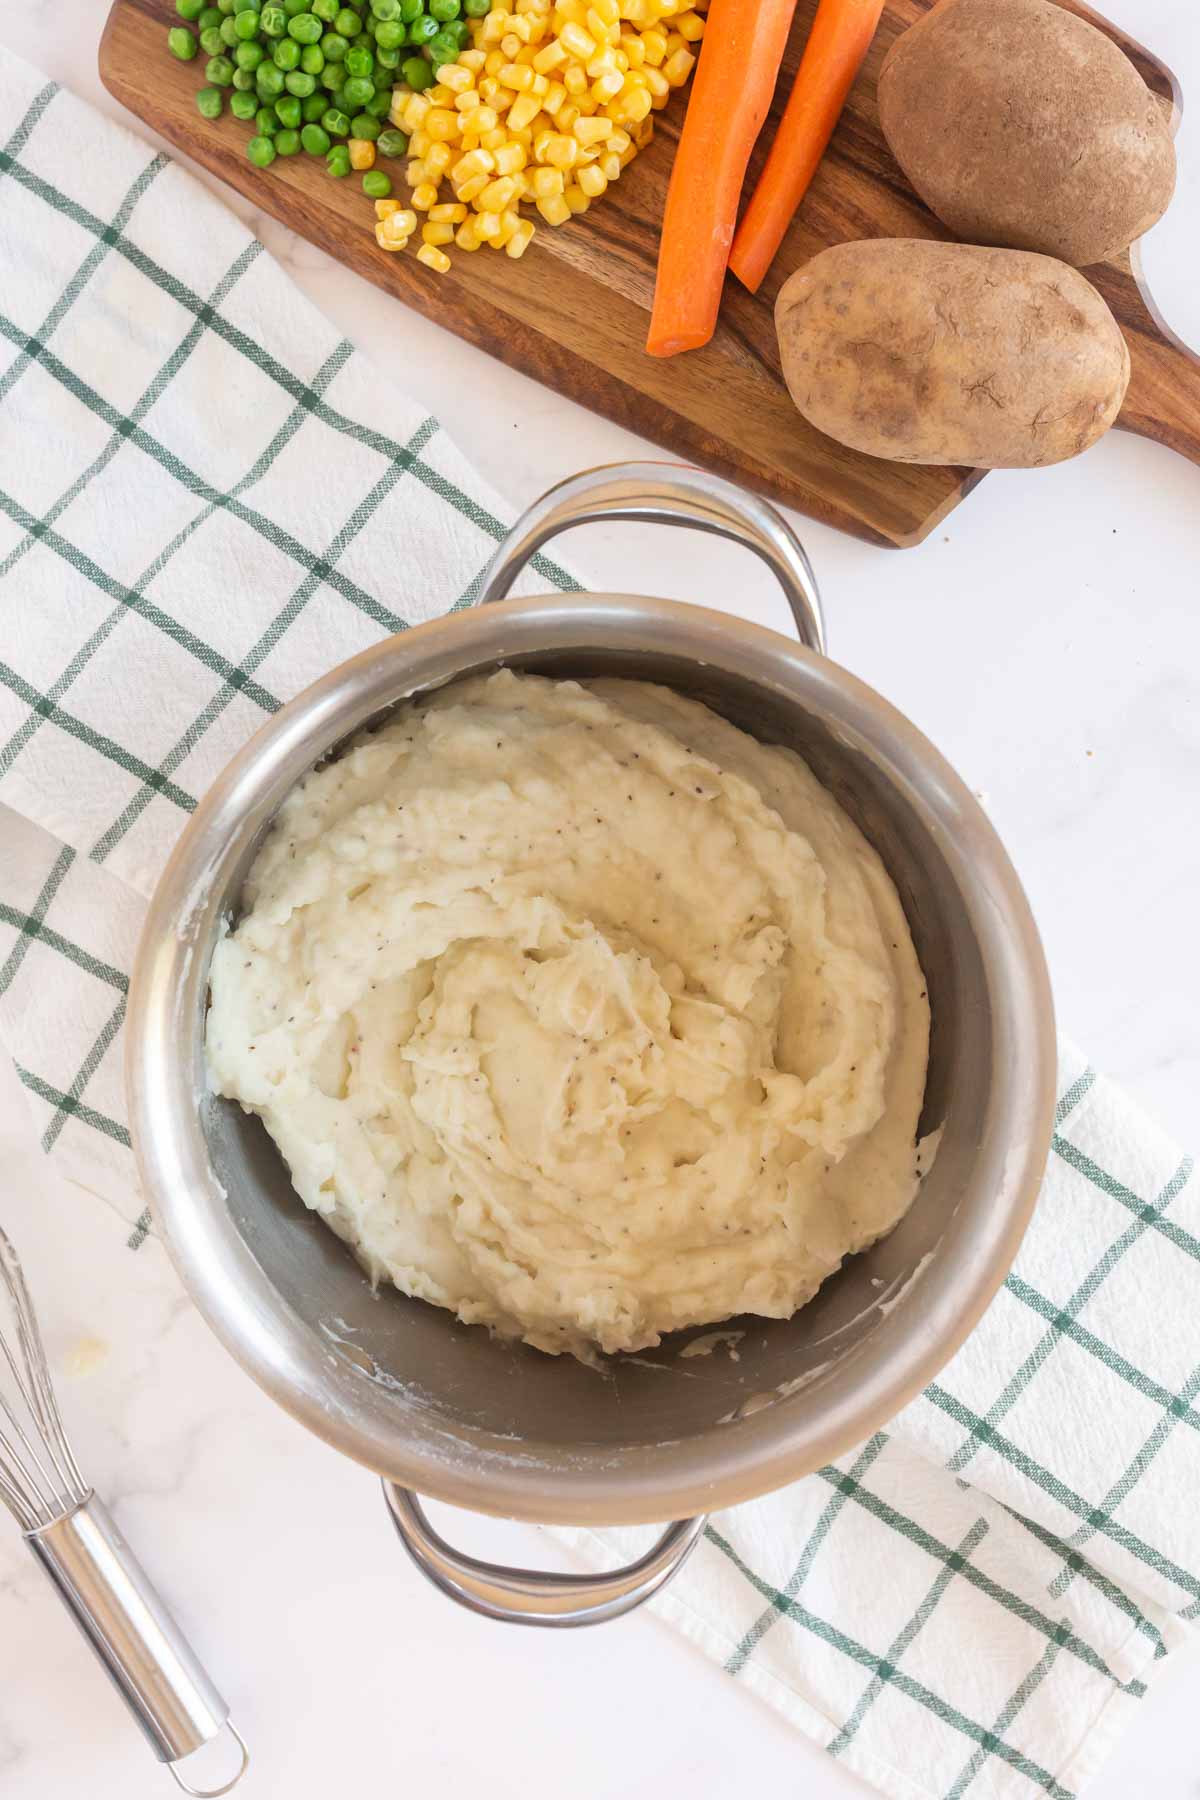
[1047,638]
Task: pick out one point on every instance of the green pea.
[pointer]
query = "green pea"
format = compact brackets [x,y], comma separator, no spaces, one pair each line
[305,28]
[229,36]
[334,47]
[315,140]
[422,29]
[261,151]
[391,143]
[385,10]
[388,59]
[190,9]
[265,122]
[269,80]
[336,123]
[209,102]
[218,71]
[272,21]
[362,125]
[209,15]
[460,31]
[241,6]
[325,10]
[359,62]
[248,56]
[338,161]
[369,29]
[312,59]
[417,73]
[211,41]
[224,6]
[312,109]
[331,78]
[181,43]
[292,7]
[376,185]
[381,106]
[390,36]
[411,9]
[243,82]
[444,10]
[243,105]
[287,142]
[300,83]
[286,54]
[246,25]
[348,22]
[442,49]
[356,92]
[287,110]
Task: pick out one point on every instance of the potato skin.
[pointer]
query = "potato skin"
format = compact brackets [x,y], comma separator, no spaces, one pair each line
[1022,125]
[951,353]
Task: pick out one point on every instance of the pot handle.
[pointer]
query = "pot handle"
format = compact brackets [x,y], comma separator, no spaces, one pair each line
[665,494]
[536,1596]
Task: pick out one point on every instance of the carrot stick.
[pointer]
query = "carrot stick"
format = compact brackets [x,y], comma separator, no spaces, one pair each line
[731,92]
[840,38]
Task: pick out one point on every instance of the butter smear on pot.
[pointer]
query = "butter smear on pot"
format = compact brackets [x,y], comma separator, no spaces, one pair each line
[576,1010]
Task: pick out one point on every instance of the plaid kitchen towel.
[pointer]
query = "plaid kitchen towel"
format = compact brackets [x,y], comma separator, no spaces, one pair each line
[206,499]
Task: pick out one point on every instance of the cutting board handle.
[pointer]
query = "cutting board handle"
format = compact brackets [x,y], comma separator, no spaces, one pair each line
[1163,402]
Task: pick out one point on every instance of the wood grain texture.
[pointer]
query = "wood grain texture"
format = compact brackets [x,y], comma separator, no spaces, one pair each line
[573,311]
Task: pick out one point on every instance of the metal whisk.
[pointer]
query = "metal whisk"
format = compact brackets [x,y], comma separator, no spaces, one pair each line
[69,1531]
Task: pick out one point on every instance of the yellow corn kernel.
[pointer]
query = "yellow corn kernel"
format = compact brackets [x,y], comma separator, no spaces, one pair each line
[510,222]
[554,209]
[464,103]
[637,12]
[575,79]
[642,134]
[433,258]
[545,182]
[654,47]
[487,224]
[419,142]
[471,189]
[424,196]
[550,57]
[497,194]
[414,112]
[657,83]
[455,77]
[634,52]
[467,236]
[591,131]
[399,107]
[607,11]
[405,220]
[395,230]
[493,140]
[577,42]
[603,63]
[519,242]
[675,41]
[609,166]
[385,208]
[437,161]
[690,26]
[618,142]
[477,162]
[637,105]
[524,136]
[600,29]
[677,68]
[576,199]
[386,239]
[541,143]
[467,142]
[567,116]
[438,95]
[626,156]
[447,212]
[524,109]
[516,76]
[489,85]
[437,234]
[522,31]
[510,47]
[480,120]
[472,59]
[511,159]
[607,87]
[493,29]
[554,97]
[574,11]
[593,181]
[562,152]
[415,173]
[362,153]
[441,125]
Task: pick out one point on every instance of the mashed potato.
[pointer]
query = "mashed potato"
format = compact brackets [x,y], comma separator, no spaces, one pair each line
[576,1010]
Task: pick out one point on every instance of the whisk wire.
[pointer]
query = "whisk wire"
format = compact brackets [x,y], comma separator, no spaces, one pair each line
[44,1482]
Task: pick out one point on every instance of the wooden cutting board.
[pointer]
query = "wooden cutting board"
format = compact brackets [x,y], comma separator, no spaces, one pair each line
[573,311]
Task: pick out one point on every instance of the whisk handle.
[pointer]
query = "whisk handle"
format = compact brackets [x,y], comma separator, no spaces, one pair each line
[117,1609]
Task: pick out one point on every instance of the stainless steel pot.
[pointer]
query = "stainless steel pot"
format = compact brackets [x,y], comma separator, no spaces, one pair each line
[438,1407]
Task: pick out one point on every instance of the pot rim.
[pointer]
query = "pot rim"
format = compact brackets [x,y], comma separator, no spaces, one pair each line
[715,1469]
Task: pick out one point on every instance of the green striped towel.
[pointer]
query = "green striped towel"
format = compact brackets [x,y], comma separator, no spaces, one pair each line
[206,499]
